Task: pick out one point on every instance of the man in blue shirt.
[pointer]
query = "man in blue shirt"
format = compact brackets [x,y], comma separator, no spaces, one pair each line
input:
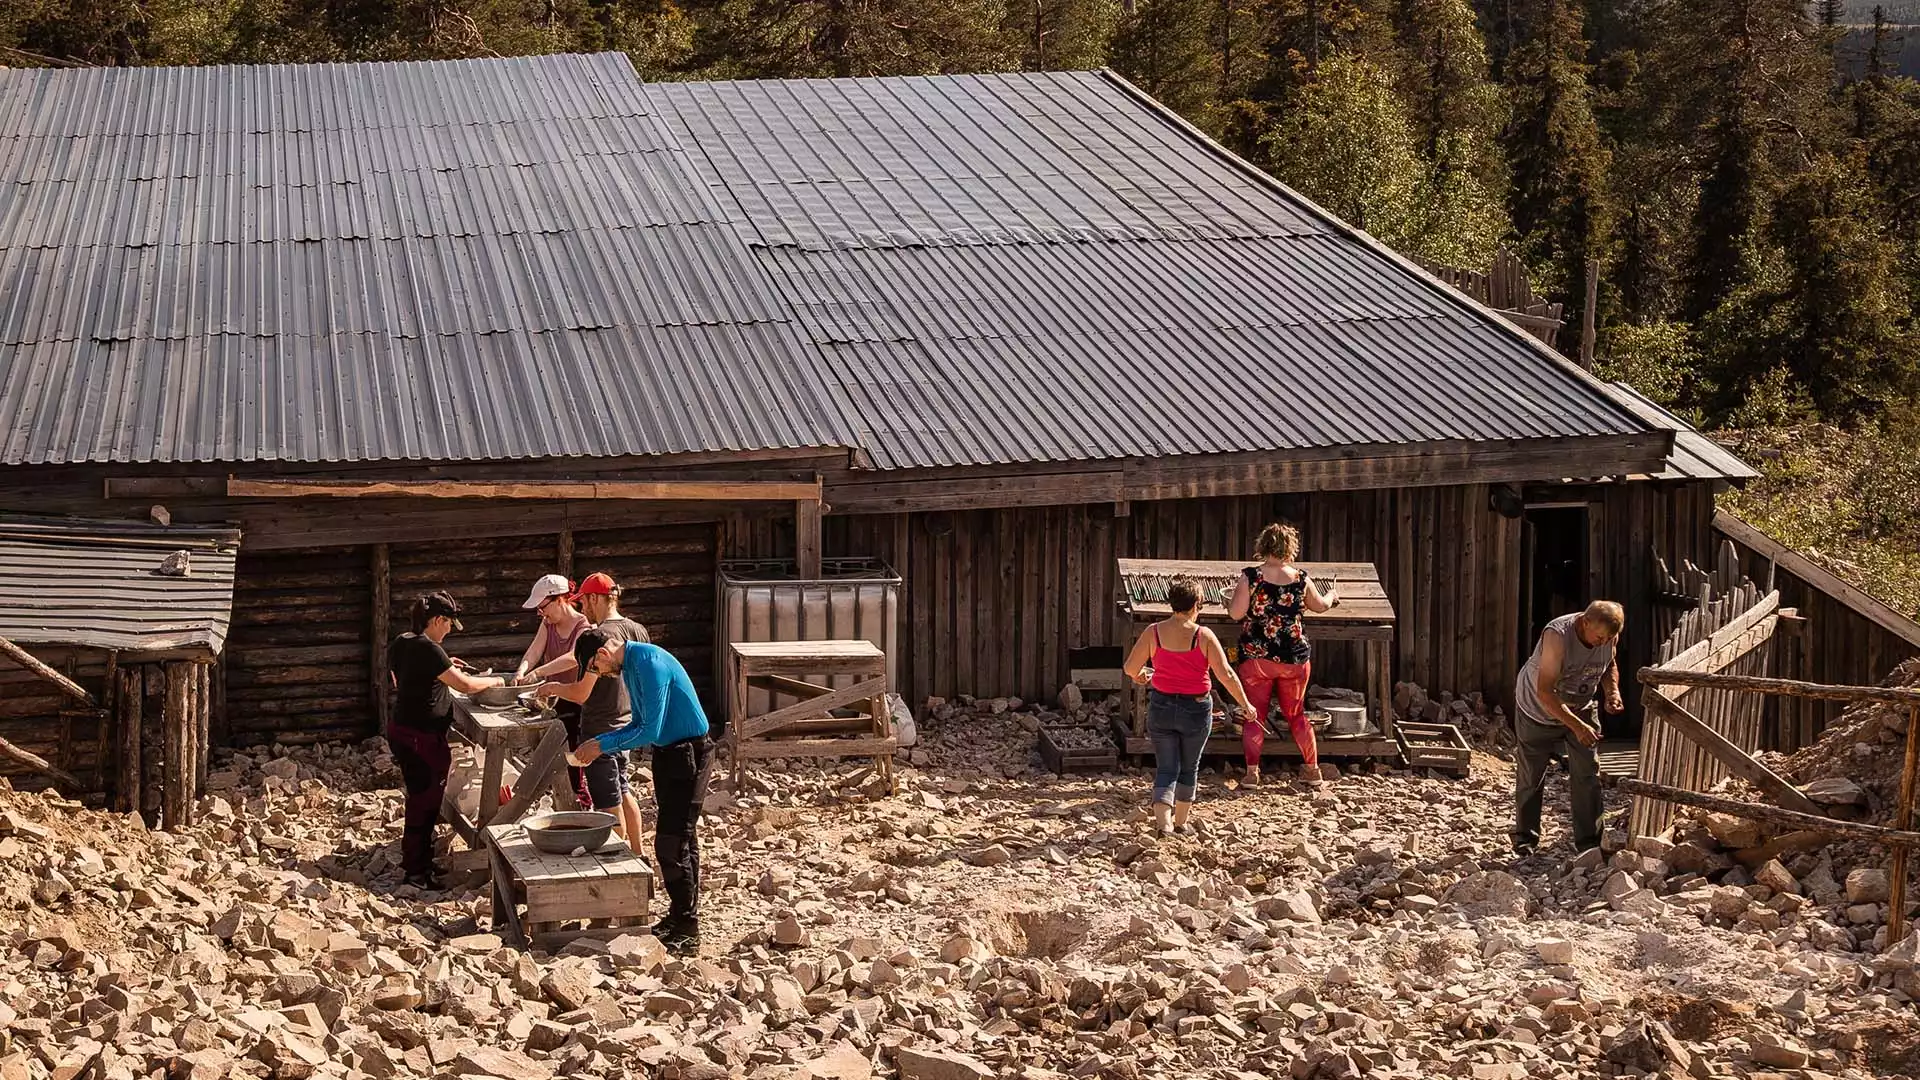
[667,717]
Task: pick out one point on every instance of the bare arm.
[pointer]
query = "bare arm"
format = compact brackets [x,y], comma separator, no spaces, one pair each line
[1318,601]
[1553,654]
[527,658]
[470,684]
[1223,671]
[1136,665]
[1241,600]
[1610,683]
[575,692]
[559,665]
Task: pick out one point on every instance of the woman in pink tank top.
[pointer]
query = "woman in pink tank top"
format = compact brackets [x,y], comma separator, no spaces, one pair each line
[1186,657]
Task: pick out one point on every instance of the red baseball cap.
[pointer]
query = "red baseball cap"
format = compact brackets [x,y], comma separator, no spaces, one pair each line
[596,585]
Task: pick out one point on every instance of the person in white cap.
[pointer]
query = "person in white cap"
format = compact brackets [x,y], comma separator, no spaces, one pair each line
[550,658]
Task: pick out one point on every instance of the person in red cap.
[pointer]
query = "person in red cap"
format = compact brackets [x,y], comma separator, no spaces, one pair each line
[602,702]
[549,658]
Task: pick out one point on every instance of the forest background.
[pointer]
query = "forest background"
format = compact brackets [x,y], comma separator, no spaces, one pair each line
[1745,173]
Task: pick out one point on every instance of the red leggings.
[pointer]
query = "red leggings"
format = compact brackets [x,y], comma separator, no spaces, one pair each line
[1264,679]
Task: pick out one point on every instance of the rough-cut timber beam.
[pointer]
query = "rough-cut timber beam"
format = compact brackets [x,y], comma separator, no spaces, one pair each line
[37,763]
[1737,761]
[1769,815]
[660,490]
[26,660]
[1659,676]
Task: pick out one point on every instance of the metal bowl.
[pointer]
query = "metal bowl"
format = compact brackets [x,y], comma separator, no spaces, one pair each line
[559,833]
[1319,718]
[1346,719]
[497,697]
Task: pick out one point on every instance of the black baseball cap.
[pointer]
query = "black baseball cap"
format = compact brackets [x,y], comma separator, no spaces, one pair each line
[440,603]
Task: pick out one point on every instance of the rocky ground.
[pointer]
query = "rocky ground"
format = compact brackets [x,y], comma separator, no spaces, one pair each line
[989,920]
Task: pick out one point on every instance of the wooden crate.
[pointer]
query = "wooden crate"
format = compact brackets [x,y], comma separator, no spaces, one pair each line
[1433,746]
[1064,760]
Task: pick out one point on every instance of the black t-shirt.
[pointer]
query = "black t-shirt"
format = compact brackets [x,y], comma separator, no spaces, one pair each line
[607,702]
[424,703]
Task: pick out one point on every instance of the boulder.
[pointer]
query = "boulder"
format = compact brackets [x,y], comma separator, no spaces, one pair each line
[1490,894]
[939,1065]
[1868,886]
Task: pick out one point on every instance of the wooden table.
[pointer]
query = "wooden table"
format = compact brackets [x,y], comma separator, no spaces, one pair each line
[1365,615]
[613,884]
[807,728]
[499,733]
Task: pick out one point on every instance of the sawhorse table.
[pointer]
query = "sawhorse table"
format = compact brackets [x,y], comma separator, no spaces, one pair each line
[499,734]
[808,728]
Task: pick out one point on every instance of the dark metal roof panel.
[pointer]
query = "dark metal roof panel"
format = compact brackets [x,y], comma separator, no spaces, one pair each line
[1695,456]
[1044,267]
[65,582]
[346,262]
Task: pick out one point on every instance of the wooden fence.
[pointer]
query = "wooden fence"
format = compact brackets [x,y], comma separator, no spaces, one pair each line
[1505,288]
[1730,631]
[1851,638]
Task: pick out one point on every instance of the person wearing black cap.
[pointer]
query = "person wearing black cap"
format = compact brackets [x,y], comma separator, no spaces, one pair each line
[423,676]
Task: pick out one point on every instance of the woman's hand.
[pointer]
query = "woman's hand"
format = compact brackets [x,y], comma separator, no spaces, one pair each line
[1141,678]
[1246,712]
[583,755]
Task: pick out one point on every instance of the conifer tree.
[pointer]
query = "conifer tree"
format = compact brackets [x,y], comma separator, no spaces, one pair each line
[1163,47]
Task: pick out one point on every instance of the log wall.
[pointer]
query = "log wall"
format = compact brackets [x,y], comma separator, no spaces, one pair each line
[38,717]
[301,661]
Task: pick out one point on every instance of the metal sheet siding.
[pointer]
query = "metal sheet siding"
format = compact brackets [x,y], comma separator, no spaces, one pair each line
[92,584]
[486,259]
[1038,267]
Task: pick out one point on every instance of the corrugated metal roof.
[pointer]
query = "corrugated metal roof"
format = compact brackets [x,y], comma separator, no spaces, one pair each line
[92,583]
[482,259]
[1695,455]
[1046,267]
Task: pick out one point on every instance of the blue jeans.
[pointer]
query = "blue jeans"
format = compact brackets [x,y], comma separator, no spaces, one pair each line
[1178,726]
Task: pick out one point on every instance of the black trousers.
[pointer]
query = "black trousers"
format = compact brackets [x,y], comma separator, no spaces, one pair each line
[680,772]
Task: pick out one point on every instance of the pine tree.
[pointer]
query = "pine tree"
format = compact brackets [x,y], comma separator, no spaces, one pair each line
[1559,197]
[1348,145]
[1457,114]
[1061,35]
[1163,47]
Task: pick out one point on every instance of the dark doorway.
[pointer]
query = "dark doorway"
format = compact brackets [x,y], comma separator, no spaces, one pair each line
[1554,559]
[1555,579]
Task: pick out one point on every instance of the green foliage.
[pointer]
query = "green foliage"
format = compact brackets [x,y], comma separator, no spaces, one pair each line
[1347,144]
[1559,195]
[1164,48]
[1658,360]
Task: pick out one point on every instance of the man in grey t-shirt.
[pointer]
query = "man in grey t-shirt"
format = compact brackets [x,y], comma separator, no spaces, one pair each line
[603,702]
[1574,660]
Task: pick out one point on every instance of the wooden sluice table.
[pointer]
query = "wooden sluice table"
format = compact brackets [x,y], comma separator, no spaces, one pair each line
[1365,615]
[613,885]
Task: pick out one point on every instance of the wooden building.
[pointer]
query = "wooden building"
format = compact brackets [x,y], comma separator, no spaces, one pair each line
[455,325]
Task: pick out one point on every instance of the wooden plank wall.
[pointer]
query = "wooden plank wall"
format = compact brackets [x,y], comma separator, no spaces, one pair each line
[666,573]
[996,598]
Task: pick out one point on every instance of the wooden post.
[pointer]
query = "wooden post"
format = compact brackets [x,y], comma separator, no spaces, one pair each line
[176,800]
[109,701]
[26,660]
[382,612]
[132,691]
[1897,892]
[203,723]
[1586,314]
[806,540]
[565,562]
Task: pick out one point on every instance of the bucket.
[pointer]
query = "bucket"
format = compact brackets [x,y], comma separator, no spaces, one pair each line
[1346,720]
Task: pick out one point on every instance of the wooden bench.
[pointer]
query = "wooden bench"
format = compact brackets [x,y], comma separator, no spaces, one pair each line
[807,727]
[612,886]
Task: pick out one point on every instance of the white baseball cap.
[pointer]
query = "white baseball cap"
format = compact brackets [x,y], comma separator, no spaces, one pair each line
[550,585]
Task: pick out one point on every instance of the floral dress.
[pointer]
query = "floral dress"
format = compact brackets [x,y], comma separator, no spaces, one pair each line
[1273,629]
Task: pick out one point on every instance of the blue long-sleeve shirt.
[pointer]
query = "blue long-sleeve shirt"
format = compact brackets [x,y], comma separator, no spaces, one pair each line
[665,708]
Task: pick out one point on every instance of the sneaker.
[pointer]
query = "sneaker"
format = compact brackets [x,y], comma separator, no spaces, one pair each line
[1310,776]
[428,882]
[678,934]
[1251,778]
[1525,851]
